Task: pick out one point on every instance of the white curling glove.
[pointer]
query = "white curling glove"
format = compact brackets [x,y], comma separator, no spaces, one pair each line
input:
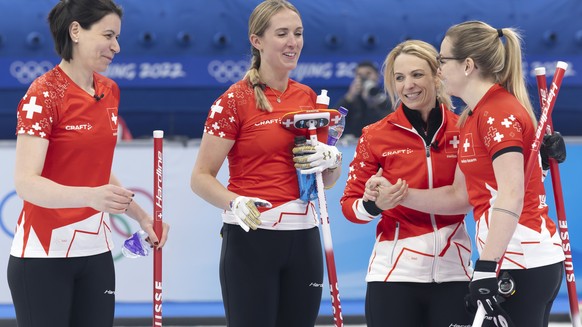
[315,159]
[246,212]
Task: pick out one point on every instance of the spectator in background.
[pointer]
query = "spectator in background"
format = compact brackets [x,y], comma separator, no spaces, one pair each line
[366,101]
[61,270]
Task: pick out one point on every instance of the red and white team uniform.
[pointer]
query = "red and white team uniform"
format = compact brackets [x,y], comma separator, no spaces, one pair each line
[269,173]
[499,122]
[411,246]
[82,132]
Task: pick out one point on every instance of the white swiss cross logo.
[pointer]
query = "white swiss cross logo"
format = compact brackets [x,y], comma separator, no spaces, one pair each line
[114,118]
[455,142]
[467,145]
[216,108]
[451,142]
[287,123]
[31,108]
[506,123]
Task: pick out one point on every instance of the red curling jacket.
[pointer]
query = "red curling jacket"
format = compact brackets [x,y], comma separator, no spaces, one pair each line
[411,246]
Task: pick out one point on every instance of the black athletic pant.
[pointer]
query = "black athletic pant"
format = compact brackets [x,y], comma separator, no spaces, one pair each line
[535,291]
[271,278]
[63,292]
[404,304]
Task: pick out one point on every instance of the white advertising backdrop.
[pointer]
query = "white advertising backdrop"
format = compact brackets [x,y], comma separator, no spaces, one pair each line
[192,253]
[191,256]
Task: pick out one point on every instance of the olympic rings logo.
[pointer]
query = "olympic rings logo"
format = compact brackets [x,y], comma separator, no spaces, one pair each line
[120,224]
[227,71]
[3,204]
[26,72]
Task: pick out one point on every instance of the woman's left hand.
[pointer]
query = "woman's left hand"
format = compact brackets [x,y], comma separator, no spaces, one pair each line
[148,227]
[315,159]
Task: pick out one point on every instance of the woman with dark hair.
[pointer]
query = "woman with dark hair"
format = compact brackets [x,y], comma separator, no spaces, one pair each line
[60,270]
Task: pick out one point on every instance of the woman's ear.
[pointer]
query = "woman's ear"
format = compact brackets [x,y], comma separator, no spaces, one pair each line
[74,31]
[255,41]
[469,66]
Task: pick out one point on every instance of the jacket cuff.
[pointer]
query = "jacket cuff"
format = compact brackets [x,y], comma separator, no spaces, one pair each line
[485,266]
[371,208]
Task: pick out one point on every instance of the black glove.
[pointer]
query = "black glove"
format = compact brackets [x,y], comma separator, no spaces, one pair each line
[483,290]
[553,146]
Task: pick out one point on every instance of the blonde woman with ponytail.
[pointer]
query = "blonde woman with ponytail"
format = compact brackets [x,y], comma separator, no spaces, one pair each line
[515,236]
[271,265]
[514,232]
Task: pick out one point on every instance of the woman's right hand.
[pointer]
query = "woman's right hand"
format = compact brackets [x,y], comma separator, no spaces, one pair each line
[110,198]
[383,193]
[246,213]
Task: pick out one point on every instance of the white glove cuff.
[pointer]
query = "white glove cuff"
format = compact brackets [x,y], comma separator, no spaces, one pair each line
[337,155]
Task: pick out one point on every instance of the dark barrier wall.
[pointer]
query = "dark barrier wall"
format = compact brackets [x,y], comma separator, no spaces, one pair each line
[179,55]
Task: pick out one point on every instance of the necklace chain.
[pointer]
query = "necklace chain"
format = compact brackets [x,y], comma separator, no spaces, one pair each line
[278,96]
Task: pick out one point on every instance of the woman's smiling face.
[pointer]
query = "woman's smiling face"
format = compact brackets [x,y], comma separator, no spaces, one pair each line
[415,83]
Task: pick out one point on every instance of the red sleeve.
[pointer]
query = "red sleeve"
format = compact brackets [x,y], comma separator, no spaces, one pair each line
[224,116]
[502,127]
[364,165]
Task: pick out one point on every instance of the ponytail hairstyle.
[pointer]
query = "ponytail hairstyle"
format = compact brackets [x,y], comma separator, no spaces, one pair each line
[496,60]
[258,23]
[423,51]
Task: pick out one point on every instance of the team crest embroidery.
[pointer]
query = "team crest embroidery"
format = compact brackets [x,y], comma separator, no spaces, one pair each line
[467,149]
[113,119]
[452,142]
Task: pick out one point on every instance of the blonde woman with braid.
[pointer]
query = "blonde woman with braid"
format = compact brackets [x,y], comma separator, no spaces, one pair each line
[271,265]
[482,66]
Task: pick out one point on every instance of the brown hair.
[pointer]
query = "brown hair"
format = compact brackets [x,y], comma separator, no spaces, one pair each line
[496,60]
